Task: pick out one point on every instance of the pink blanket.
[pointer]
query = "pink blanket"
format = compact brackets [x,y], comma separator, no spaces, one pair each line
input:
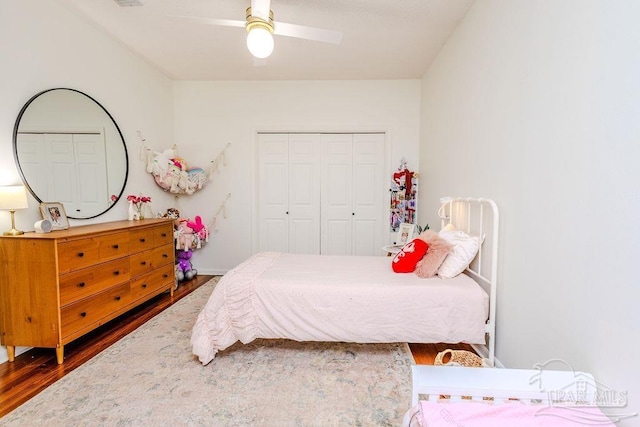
[334,298]
[481,414]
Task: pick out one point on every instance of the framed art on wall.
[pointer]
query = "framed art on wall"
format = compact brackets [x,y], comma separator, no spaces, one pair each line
[54,212]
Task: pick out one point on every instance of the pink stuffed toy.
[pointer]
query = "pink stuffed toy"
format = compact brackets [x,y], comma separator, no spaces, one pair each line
[196,225]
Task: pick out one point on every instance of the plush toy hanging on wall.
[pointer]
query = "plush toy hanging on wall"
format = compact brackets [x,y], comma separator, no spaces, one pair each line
[172,173]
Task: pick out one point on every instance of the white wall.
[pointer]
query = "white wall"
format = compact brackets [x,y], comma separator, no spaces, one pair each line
[208,115]
[43,46]
[536,104]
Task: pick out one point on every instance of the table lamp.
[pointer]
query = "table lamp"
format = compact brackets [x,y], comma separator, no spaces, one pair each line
[13,197]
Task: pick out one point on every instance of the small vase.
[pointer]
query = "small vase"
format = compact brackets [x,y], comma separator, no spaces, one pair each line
[141,212]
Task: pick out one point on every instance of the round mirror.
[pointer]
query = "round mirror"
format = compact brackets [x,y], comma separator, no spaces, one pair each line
[69,149]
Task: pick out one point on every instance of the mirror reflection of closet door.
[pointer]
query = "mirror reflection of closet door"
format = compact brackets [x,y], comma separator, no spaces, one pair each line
[57,160]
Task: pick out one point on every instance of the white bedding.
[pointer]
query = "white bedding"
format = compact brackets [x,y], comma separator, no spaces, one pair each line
[336,298]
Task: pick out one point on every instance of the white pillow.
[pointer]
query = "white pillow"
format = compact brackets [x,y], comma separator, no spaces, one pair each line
[465,249]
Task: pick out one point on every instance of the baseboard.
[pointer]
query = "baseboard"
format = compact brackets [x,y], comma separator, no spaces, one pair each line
[212,271]
[4,357]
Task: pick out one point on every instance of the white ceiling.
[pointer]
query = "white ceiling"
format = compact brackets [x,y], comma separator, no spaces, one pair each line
[383,39]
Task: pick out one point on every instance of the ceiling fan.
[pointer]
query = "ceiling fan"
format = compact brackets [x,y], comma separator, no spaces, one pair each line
[260,26]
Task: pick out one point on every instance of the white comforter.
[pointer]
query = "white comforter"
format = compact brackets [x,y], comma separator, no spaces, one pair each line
[336,298]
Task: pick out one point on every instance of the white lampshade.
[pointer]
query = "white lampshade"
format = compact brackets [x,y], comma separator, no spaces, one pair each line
[260,42]
[13,197]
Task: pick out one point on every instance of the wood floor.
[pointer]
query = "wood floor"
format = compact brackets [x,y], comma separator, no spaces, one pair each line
[36,369]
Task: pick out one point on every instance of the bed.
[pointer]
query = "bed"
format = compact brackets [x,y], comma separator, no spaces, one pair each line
[450,396]
[357,298]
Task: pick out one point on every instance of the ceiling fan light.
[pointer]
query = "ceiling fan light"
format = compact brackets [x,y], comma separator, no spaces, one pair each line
[260,42]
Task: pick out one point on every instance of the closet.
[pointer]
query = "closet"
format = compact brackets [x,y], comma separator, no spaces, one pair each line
[321,193]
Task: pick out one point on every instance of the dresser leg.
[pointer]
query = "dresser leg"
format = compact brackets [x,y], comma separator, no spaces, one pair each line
[60,354]
[11,352]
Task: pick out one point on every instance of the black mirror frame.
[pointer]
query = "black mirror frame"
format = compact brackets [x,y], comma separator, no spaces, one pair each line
[15,149]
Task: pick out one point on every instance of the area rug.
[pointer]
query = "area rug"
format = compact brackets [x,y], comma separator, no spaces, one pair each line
[150,378]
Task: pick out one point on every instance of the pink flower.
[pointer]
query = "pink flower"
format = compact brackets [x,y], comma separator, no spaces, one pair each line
[138,200]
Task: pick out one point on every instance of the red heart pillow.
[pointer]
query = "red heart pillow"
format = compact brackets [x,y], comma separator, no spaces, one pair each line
[406,260]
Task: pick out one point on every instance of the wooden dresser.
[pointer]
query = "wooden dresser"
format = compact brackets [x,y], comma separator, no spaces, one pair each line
[56,287]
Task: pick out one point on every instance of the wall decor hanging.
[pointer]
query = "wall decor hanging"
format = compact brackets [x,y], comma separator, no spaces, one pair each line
[404,197]
[174,174]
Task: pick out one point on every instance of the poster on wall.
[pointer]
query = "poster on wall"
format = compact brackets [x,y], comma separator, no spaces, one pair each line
[404,193]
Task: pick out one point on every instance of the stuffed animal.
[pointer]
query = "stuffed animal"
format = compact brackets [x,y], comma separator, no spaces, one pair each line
[184,236]
[160,162]
[196,225]
[185,270]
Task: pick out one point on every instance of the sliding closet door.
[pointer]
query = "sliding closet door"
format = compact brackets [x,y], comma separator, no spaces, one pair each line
[353,194]
[289,193]
[337,190]
[321,193]
[304,193]
[369,194]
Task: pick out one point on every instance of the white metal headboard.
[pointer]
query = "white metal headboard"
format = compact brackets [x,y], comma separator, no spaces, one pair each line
[478,217]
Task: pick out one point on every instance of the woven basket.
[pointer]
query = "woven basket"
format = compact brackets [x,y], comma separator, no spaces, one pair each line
[459,358]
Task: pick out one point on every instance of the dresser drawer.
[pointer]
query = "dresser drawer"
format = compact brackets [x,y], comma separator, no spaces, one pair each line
[163,255]
[141,240]
[163,234]
[146,261]
[163,277]
[84,313]
[82,283]
[77,254]
[142,262]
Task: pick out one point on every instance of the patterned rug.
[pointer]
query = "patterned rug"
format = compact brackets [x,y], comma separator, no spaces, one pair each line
[150,377]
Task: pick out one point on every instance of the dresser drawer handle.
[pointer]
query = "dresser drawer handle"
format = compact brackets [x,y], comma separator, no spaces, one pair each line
[83,314]
[116,273]
[118,298]
[115,246]
[143,263]
[80,254]
[165,255]
[143,240]
[144,286]
[165,276]
[81,285]
[164,234]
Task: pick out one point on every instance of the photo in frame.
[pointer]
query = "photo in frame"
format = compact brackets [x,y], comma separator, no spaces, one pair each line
[405,233]
[55,213]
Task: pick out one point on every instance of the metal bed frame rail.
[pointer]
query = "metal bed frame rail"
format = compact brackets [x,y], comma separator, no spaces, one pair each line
[478,217]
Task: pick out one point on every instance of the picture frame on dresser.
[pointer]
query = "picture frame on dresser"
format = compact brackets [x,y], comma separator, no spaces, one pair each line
[55,213]
[405,233]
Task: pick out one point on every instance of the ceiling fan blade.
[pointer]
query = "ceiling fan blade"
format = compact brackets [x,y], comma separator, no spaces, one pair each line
[307,33]
[211,21]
